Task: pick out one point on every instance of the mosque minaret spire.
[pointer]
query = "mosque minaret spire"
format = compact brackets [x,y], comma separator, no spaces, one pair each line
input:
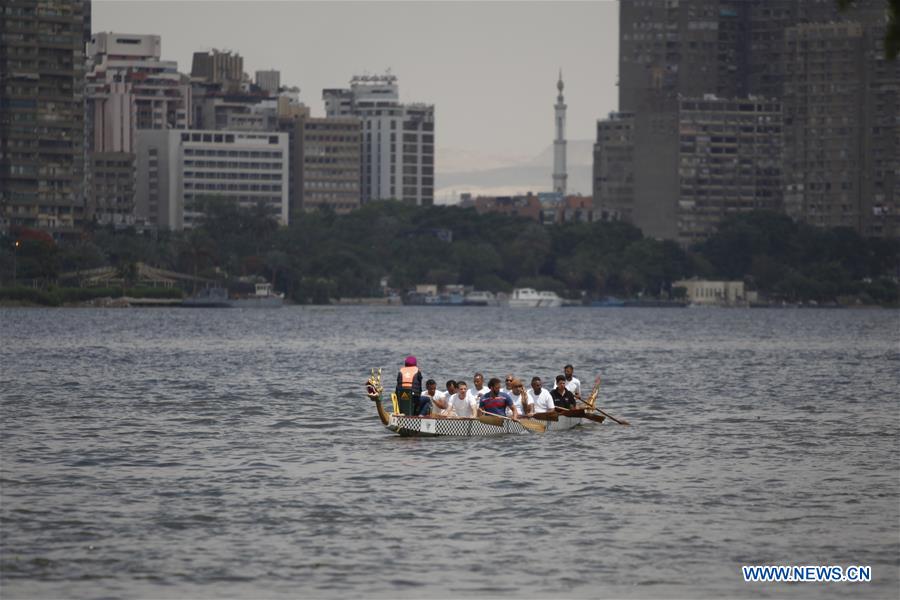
[559,144]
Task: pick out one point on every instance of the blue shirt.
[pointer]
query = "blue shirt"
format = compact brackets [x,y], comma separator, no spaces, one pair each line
[496,404]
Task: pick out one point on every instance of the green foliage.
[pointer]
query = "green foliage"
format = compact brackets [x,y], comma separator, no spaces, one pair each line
[322,256]
[798,262]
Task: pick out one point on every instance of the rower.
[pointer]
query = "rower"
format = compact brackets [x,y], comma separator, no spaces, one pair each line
[479,389]
[437,401]
[572,382]
[519,397]
[496,402]
[562,397]
[462,403]
[539,399]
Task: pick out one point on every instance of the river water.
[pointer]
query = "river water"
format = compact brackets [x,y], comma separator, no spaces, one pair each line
[173,453]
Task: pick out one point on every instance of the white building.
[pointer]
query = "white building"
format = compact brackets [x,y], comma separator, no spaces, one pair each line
[398,139]
[723,293]
[178,170]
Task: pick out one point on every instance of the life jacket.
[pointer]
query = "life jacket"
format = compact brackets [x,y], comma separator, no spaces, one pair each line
[408,377]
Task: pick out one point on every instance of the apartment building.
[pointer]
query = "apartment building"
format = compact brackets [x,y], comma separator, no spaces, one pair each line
[179,171]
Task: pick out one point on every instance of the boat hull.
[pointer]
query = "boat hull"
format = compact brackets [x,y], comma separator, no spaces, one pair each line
[466,427]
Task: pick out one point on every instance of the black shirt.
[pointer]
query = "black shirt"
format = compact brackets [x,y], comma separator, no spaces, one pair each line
[564,400]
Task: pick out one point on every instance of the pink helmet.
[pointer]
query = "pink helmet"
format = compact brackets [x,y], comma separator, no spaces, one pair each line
[410,361]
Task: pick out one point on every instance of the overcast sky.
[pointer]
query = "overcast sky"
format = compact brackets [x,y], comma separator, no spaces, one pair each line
[490,68]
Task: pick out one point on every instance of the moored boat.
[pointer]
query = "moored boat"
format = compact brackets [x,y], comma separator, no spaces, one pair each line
[218,297]
[480,298]
[531,298]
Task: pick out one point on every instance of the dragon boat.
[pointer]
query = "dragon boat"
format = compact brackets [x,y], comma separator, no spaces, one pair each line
[483,426]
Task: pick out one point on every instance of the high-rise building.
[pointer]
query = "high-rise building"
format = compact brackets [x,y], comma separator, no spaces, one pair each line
[559,144]
[325,163]
[842,125]
[122,65]
[614,168]
[667,47]
[819,69]
[42,114]
[128,87]
[677,174]
[223,68]
[269,81]
[177,171]
[397,142]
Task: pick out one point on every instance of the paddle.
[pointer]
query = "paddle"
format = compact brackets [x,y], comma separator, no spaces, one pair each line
[545,416]
[497,420]
[570,412]
[597,418]
[612,418]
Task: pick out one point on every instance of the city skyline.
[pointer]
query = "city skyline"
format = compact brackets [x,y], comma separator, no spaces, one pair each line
[489,68]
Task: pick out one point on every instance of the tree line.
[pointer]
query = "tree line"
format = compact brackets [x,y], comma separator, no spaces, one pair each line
[321,255]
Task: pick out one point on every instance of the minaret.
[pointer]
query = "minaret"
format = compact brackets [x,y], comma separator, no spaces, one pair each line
[559,144]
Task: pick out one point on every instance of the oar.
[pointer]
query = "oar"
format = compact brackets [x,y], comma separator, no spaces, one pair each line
[546,416]
[497,420]
[612,418]
[597,418]
[570,412]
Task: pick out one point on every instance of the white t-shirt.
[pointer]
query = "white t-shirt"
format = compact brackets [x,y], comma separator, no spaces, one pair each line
[543,402]
[517,402]
[483,391]
[463,407]
[438,395]
[574,386]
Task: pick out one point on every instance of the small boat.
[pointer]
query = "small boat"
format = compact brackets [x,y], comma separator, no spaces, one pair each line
[608,302]
[476,298]
[484,426]
[531,298]
[264,297]
[210,297]
[217,297]
[446,299]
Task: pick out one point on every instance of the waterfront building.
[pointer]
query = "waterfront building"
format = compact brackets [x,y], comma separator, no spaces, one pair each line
[613,173]
[820,68]
[177,171]
[677,174]
[397,142]
[842,128]
[715,293]
[559,144]
[42,129]
[128,87]
[324,162]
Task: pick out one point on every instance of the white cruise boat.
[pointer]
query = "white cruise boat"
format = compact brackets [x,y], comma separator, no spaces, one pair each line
[531,298]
